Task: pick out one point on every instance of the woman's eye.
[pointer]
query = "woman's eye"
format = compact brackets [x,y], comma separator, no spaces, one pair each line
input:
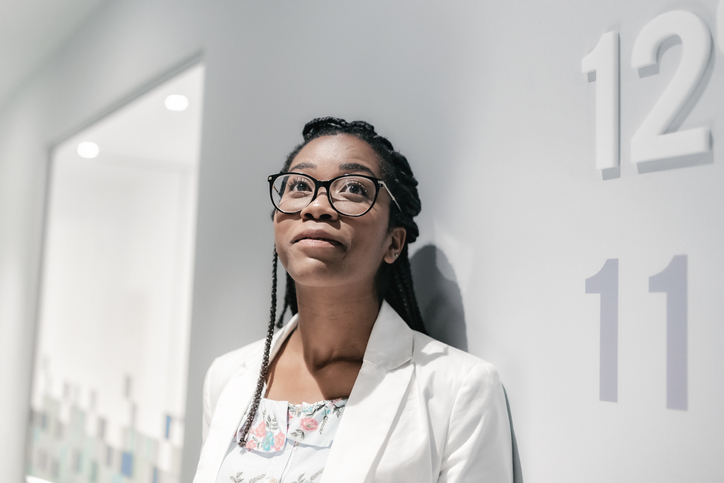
[355,188]
[299,185]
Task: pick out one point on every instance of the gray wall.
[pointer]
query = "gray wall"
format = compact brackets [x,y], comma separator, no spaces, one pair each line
[488,102]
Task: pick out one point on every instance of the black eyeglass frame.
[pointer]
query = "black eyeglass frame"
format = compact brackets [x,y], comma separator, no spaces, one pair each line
[327,184]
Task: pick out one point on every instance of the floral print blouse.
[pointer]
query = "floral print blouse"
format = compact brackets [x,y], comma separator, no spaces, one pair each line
[287,443]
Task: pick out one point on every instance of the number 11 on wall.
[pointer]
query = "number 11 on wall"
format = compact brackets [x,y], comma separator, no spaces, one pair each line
[673,282]
[605,283]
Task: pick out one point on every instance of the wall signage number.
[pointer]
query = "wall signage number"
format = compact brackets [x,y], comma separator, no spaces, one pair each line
[673,282]
[653,140]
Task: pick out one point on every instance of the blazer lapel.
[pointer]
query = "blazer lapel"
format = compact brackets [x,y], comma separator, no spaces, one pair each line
[381,385]
[232,404]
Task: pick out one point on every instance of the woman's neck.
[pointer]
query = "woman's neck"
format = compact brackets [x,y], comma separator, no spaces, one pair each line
[334,324]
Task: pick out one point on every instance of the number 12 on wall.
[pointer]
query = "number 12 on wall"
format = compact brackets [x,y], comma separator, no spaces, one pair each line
[673,282]
[652,141]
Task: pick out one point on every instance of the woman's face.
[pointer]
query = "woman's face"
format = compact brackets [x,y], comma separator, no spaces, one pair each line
[318,246]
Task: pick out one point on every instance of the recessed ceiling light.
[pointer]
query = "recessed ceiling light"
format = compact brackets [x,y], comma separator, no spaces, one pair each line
[177,102]
[87,149]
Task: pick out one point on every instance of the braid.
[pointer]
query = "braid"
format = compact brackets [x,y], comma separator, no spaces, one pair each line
[290,300]
[291,294]
[404,186]
[407,287]
[394,281]
[400,292]
[265,359]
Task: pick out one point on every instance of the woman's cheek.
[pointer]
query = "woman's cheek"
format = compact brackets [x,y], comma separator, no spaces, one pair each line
[279,243]
[283,258]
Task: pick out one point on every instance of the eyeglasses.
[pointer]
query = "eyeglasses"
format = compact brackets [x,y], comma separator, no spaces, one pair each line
[349,194]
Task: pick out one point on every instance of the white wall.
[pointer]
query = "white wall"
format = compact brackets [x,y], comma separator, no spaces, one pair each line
[488,102]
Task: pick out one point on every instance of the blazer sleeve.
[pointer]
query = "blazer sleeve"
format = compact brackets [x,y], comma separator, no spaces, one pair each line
[478,444]
[220,372]
[208,412]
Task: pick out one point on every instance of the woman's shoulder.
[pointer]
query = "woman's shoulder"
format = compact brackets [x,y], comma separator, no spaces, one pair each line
[466,404]
[444,365]
[223,368]
[226,365]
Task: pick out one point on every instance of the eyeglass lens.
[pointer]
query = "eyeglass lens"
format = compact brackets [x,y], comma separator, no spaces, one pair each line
[350,195]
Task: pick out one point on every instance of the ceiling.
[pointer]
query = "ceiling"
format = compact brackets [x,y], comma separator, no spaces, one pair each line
[31,31]
[144,133]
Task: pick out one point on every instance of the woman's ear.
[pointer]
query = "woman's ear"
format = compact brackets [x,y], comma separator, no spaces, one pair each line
[395,244]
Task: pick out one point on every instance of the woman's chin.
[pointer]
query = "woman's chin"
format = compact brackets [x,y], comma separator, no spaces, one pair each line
[315,253]
[318,274]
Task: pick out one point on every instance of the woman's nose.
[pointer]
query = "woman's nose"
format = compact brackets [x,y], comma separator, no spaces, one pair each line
[320,208]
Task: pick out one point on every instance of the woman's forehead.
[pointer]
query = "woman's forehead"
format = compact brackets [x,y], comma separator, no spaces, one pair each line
[341,152]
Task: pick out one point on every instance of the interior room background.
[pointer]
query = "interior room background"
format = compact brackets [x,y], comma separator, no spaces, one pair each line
[567,154]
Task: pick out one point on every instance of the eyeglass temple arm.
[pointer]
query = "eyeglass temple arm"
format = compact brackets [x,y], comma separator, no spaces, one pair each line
[391,195]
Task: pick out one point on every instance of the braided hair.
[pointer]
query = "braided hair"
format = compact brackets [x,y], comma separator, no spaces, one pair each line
[393,281]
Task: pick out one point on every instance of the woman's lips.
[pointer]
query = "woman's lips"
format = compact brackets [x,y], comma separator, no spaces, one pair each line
[317,242]
[315,238]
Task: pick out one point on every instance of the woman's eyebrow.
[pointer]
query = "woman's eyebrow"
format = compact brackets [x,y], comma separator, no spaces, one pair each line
[303,166]
[356,167]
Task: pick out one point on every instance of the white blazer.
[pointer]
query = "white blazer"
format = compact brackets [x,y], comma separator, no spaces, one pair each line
[419,411]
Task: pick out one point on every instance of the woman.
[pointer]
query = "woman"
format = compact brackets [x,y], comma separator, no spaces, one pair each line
[348,391]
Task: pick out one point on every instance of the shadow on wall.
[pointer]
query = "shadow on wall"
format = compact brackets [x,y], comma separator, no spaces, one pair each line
[441,306]
[439,297]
